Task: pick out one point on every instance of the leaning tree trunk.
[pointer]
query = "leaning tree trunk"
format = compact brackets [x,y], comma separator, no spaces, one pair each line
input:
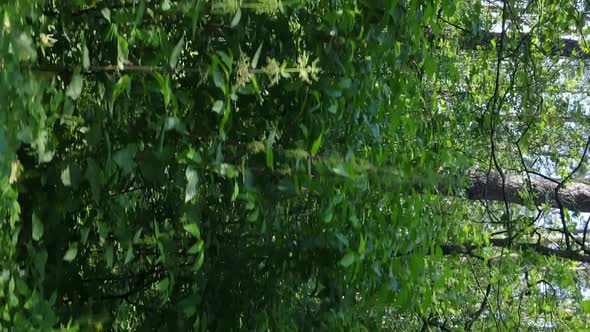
[484,186]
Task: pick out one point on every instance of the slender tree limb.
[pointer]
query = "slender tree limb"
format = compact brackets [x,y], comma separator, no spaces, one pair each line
[109,68]
[482,306]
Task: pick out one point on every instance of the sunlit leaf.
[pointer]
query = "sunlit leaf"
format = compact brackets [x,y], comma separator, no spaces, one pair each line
[193,229]
[316,144]
[347,260]
[85,58]
[192,180]
[256,56]
[217,106]
[176,53]
[236,20]
[106,13]
[71,253]
[122,85]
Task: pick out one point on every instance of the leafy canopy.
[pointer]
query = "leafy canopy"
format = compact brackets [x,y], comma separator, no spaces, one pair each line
[284,165]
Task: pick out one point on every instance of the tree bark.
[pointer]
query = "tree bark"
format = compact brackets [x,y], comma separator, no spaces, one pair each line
[575,196]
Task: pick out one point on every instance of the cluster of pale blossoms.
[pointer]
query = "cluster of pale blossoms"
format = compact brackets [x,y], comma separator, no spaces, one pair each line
[308,72]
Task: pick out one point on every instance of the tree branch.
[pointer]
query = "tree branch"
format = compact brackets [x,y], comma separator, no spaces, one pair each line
[466,249]
[575,196]
[110,68]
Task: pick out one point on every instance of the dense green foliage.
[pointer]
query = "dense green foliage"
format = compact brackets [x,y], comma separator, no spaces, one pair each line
[296,165]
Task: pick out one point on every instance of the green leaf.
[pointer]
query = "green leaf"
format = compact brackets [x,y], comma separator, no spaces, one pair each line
[416,264]
[342,239]
[193,229]
[345,83]
[106,13]
[347,260]
[84,234]
[269,159]
[137,235]
[192,179]
[334,93]
[316,144]
[585,306]
[176,52]
[164,284]
[226,59]
[362,245]
[340,170]
[109,255]
[333,108]
[236,20]
[236,191]
[217,106]
[197,15]
[327,215]
[122,52]
[195,248]
[71,253]
[129,255]
[65,177]
[75,88]
[139,13]
[257,56]
[250,206]
[85,58]
[218,78]
[124,158]
[37,229]
[252,216]
[199,261]
[122,85]
[24,48]
[175,123]
[229,171]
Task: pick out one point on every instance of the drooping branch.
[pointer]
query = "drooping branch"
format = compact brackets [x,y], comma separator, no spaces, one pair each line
[110,68]
[482,306]
[575,196]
